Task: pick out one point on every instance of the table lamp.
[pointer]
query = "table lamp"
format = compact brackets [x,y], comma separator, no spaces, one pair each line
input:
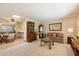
[70,30]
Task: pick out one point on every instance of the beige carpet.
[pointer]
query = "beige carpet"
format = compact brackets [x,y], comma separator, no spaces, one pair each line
[34,49]
[17,41]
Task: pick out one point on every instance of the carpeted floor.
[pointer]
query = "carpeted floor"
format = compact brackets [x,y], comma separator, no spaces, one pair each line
[17,41]
[34,49]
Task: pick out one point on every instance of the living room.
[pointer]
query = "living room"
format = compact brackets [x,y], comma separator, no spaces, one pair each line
[62,23]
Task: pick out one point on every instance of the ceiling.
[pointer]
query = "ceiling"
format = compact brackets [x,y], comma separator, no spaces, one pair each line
[37,11]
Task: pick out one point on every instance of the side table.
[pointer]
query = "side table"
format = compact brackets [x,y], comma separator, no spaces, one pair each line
[69,41]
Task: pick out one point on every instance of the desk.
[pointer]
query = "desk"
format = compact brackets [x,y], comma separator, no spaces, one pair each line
[69,41]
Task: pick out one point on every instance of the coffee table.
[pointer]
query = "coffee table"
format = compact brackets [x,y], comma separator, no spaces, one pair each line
[47,40]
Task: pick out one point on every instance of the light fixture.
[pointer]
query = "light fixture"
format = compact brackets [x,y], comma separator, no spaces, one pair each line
[16,16]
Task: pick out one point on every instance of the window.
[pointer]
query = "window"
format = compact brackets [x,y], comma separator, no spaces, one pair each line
[6,28]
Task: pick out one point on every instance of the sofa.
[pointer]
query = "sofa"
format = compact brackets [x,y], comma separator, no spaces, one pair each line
[58,37]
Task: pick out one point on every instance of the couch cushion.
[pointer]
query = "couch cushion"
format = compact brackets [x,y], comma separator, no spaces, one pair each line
[60,35]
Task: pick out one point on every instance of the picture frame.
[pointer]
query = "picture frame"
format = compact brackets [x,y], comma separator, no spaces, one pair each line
[55,27]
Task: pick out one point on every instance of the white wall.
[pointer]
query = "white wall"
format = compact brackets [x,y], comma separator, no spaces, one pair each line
[77,23]
[71,22]
[21,26]
[66,23]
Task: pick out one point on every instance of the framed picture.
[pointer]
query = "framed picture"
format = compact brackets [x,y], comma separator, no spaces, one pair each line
[55,27]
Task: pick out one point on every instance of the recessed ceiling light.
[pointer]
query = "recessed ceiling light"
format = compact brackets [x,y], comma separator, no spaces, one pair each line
[16,16]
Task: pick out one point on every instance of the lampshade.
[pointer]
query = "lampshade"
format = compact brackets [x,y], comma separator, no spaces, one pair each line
[70,30]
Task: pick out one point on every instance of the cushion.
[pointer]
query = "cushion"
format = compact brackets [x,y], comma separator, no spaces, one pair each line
[60,35]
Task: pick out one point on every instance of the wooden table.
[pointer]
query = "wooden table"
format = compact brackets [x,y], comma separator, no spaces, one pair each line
[5,38]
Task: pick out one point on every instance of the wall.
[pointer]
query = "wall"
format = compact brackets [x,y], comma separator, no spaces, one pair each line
[5,21]
[66,23]
[18,24]
[70,22]
[21,26]
[77,23]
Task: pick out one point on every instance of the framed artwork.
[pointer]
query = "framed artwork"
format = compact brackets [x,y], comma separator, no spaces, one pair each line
[55,27]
